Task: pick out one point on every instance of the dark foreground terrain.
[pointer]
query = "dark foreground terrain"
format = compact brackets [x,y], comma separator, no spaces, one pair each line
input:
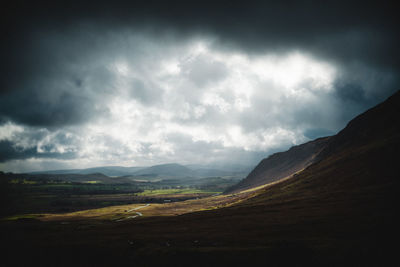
[340,210]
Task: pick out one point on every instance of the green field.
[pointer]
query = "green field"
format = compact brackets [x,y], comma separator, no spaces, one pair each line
[175,191]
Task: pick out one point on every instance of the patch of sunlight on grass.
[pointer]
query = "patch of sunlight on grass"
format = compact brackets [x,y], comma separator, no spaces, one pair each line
[22,181]
[272,183]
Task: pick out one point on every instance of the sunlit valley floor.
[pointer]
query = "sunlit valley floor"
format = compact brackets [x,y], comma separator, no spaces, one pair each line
[336,207]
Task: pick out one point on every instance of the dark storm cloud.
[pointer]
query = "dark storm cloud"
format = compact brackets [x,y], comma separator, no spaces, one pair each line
[337,28]
[348,30]
[44,84]
[32,108]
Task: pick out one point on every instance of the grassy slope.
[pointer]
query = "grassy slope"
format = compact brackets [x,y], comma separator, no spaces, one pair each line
[280,165]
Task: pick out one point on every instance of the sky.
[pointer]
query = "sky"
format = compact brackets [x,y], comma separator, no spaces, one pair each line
[97,83]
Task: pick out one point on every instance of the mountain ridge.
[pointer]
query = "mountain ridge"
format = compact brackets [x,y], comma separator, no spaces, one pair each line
[282,164]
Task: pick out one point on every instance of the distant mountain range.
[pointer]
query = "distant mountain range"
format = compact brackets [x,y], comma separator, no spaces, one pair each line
[108,170]
[163,171]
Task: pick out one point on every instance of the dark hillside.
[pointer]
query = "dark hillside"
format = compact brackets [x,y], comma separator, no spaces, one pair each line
[281,165]
[378,124]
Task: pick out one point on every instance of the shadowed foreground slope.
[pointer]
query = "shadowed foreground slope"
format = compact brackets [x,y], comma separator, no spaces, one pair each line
[341,210]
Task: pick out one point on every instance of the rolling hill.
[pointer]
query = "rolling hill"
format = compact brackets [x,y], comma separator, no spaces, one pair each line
[166,170]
